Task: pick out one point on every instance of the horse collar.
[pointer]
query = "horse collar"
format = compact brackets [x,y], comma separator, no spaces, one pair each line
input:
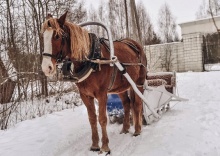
[87,66]
[95,50]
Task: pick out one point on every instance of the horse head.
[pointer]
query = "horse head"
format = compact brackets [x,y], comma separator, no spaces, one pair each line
[56,40]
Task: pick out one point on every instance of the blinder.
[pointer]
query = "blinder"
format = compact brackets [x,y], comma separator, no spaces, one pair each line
[59,57]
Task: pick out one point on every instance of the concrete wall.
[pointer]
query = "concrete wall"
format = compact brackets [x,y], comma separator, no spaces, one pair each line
[185,56]
[193,52]
[156,56]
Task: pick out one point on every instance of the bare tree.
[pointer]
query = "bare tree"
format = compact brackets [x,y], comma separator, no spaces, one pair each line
[20,35]
[166,58]
[135,22]
[208,8]
[216,7]
[93,16]
[202,11]
[146,27]
[8,51]
[117,19]
[99,15]
[7,84]
[126,16]
[167,24]
[168,33]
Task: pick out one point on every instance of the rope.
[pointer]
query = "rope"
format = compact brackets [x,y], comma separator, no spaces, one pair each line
[133,64]
[98,61]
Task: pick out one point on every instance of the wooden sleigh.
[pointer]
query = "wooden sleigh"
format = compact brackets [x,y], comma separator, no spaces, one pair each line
[160,91]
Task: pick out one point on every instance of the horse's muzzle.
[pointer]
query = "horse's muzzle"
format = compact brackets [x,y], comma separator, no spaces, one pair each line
[48,67]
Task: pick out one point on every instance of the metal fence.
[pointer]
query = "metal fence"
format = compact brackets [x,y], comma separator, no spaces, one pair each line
[211,51]
[211,48]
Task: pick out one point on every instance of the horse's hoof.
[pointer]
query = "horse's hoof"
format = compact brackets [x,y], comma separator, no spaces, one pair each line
[124,132]
[108,153]
[94,149]
[136,134]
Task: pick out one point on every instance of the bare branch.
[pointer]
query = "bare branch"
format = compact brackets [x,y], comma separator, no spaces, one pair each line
[211,12]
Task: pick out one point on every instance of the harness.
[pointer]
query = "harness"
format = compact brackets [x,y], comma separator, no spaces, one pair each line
[105,43]
[88,67]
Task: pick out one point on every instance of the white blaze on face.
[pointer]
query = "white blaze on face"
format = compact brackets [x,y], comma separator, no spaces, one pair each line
[47,65]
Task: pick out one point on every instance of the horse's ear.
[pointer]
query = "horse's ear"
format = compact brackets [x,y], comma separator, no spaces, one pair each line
[49,16]
[62,18]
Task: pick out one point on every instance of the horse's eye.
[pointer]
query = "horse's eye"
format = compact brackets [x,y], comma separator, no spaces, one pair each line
[57,37]
[49,25]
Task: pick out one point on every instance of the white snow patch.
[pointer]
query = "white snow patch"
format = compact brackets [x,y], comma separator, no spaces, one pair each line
[212,67]
[188,129]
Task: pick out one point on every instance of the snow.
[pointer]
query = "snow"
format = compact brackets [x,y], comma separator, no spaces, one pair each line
[212,67]
[188,129]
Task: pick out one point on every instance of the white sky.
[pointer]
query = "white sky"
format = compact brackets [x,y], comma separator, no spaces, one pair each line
[183,10]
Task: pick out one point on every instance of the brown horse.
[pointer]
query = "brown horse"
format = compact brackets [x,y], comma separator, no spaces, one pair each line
[73,42]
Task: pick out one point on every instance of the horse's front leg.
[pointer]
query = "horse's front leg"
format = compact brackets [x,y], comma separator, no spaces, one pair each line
[89,102]
[102,99]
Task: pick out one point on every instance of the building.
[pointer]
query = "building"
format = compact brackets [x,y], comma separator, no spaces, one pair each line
[183,56]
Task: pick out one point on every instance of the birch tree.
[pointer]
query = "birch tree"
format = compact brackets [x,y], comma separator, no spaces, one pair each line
[168,33]
[207,8]
[167,24]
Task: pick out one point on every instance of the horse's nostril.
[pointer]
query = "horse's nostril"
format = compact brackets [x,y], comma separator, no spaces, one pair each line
[50,67]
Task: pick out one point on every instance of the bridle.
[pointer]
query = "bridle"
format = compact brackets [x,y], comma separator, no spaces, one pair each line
[60,56]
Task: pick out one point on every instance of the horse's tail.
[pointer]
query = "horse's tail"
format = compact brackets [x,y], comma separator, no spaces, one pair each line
[136,106]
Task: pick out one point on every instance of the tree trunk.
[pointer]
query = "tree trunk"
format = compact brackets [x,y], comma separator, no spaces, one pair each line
[126,15]
[7,86]
[37,18]
[135,22]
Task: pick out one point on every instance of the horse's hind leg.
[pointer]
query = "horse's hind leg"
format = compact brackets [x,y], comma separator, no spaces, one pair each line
[137,107]
[89,102]
[102,99]
[126,105]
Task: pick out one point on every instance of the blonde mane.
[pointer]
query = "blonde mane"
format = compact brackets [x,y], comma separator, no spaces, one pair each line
[79,37]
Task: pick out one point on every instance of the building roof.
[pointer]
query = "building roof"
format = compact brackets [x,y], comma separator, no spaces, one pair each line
[200,26]
[200,21]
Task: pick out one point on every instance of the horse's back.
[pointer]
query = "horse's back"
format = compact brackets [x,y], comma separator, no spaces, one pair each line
[134,48]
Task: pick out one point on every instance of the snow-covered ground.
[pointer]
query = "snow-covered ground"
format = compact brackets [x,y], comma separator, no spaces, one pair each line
[212,67]
[189,129]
